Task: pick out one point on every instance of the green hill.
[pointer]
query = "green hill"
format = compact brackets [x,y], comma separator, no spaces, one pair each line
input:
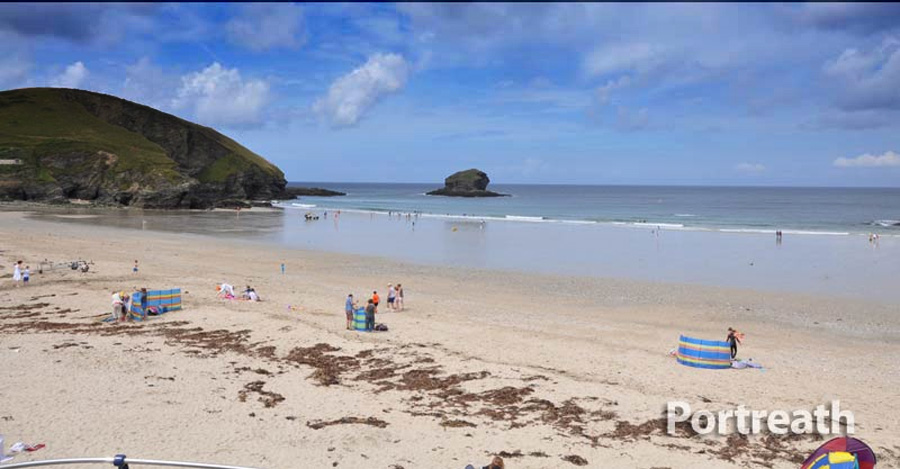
[58,144]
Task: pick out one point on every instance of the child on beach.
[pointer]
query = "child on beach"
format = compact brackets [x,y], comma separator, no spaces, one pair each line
[375,299]
[225,290]
[134,270]
[26,275]
[733,339]
[17,272]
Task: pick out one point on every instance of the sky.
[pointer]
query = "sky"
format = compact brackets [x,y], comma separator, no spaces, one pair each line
[597,93]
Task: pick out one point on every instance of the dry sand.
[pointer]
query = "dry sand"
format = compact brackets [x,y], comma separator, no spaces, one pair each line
[548,371]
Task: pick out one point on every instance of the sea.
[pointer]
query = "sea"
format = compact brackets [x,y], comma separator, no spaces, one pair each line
[715,236]
[793,210]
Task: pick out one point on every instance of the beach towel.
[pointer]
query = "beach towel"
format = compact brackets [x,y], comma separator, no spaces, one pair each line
[741,364]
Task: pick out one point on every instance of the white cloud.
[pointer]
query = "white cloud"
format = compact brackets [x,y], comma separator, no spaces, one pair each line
[750,168]
[217,95]
[353,94]
[868,79]
[72,77]
[13,72]
[15,61]
[604,92]
[628,120]
[623,58]
[264,26]
[889,158]
[148,84]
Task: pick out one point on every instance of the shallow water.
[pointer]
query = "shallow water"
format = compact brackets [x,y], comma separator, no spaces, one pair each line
[843,266]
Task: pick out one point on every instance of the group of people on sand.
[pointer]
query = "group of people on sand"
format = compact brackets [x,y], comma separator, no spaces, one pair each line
[21,273]
[122,303]
[226,291]
[394,301]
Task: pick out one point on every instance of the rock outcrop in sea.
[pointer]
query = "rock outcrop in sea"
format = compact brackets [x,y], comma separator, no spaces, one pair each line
[468,183]
[63,144]
[294,192]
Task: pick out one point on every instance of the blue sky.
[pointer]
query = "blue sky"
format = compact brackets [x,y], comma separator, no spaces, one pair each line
[731,94]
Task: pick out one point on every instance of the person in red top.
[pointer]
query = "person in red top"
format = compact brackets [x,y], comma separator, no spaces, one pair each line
[375,300]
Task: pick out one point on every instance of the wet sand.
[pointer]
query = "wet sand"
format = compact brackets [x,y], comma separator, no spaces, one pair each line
[548,370]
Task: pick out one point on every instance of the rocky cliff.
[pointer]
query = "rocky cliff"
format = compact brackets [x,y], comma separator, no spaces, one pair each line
[61,144]
[468,183]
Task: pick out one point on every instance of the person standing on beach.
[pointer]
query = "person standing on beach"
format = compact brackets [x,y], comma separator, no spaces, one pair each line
[398,302]
[349,308]
[117,306]
[134,270]
[26,275]
[392,295]
[282,268]
[733,340]
[144,303]
[17,272]
[375,299]
[370,315]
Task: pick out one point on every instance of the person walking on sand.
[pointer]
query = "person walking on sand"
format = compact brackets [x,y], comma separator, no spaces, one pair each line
[392,295]
[370,315]
[349,308]
[375,299]
[26,275]
[134,270]
[17,272]
[733,340]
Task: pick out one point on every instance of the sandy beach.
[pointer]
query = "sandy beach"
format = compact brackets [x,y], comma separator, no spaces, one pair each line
[547,370]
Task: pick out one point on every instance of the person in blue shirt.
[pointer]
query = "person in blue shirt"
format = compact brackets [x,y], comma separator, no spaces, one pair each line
[349,308]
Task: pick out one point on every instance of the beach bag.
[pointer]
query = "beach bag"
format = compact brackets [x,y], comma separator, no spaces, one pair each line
[381,327]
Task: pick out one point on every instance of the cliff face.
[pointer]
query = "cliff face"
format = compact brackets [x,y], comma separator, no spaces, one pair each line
[61,144]
[468,183]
